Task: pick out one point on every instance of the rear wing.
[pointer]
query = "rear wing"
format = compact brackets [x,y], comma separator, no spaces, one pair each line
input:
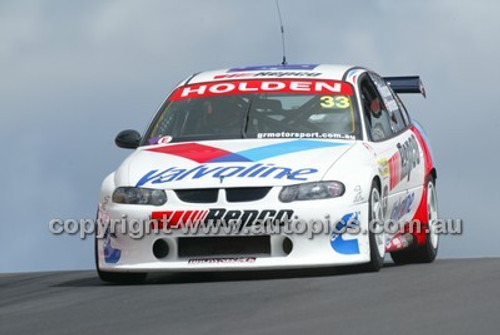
[406,84]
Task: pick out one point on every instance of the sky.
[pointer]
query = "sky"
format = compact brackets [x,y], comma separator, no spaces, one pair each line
[75,73]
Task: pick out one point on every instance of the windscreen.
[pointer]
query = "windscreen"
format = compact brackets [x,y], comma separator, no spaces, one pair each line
[281,108]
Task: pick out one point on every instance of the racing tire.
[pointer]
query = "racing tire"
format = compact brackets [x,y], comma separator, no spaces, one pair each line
[376,239]
[427,252]
[121,278]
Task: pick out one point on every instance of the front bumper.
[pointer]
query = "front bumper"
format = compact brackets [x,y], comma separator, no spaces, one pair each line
[123,251]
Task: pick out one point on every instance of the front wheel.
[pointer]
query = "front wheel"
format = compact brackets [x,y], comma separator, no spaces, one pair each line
[376,230]
[121,278]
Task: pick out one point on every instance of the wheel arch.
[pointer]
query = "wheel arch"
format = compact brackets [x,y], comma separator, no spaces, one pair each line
[377,181]
[433,173]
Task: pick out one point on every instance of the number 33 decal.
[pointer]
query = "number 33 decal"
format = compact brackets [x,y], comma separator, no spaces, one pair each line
[334,102]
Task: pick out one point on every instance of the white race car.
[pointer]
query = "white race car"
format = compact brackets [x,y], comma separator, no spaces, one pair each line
[271,167]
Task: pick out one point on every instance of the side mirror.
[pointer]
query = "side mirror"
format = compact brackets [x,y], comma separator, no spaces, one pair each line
[128,139]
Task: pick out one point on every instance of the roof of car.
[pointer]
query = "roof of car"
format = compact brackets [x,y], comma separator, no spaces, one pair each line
[305,71]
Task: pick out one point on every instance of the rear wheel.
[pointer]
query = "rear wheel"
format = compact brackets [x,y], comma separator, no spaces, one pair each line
[376,231]
[427,252]
[117,277]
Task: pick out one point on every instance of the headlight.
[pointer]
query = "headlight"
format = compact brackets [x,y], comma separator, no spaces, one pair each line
[139,196]
[312,191]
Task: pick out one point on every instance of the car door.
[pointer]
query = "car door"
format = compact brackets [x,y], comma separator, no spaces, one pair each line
[396,148]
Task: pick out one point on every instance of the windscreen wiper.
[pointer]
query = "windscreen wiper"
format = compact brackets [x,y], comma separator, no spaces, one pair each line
[244,126]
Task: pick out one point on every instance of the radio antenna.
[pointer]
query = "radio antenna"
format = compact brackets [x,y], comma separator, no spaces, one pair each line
[282,34]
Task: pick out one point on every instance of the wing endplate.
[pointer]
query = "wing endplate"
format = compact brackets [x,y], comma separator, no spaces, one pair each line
[406,84]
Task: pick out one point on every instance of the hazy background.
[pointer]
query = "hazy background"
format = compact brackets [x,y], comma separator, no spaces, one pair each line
[74,73]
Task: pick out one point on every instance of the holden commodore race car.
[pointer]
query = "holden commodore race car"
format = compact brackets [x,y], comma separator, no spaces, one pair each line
[272,167]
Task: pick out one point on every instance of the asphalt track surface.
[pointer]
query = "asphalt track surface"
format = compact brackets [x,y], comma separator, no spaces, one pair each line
[446,297]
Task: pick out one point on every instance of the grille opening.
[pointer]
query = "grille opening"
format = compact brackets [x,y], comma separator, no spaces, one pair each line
[198,196]
[160,249]
[287,246]
[241,194]
[224,246]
